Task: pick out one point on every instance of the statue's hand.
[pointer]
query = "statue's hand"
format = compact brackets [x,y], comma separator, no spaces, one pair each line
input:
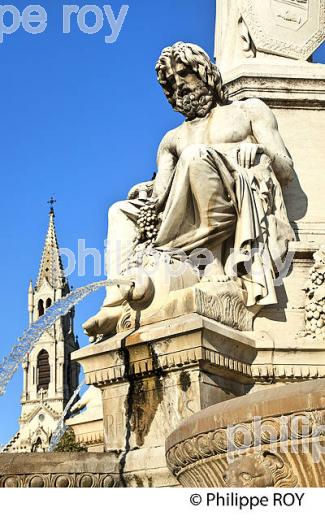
[246,154]
[144,188]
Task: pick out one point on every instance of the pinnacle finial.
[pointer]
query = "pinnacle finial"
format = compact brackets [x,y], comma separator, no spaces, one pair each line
[51,268]
[52,201]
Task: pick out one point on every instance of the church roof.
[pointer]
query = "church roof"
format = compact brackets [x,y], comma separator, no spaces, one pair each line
[51,268]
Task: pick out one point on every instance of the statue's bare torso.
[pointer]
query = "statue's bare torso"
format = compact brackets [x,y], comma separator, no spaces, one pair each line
[225,124]
[225,128]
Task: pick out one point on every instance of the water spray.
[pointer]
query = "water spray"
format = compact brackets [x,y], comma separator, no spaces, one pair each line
[10,363]
[61,426]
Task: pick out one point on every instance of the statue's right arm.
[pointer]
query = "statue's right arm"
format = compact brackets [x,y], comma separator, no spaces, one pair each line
[166,162]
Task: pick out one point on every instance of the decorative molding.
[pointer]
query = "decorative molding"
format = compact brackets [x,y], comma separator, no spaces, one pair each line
[269,374]
[61,480]
[74,469]
[90,439]
[247,355]
[106,376]
[278,92]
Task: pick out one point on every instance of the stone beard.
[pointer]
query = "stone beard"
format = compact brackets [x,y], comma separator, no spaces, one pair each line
[197,103]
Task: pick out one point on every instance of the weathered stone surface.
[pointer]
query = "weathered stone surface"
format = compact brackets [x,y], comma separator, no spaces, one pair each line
[271,438]
[295,90]
[58,470]
[289,28]
[154,378]
[164,372]
[268,30]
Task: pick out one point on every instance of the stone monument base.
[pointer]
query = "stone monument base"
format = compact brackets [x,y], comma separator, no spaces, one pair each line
[155,377]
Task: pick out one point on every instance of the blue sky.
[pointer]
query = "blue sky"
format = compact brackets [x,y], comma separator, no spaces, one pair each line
[81,119]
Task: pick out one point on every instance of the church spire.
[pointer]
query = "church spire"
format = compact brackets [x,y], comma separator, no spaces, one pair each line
[51,268]
[50,376]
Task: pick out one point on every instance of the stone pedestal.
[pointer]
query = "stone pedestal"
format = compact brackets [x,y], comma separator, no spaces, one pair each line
[155,377]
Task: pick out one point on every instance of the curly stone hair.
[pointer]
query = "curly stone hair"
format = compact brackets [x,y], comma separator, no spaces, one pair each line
[198,60]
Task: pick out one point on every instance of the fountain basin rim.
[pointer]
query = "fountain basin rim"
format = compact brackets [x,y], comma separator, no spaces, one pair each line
[273,402]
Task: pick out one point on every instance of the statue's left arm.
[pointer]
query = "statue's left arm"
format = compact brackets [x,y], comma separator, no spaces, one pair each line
[166,162]
[266,133]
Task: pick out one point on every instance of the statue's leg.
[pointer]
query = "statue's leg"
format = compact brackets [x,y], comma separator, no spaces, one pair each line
[121,259]
[199,212]
[121,238]
[121,242]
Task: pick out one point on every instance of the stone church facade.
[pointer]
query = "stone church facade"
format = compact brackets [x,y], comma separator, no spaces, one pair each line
[50,377]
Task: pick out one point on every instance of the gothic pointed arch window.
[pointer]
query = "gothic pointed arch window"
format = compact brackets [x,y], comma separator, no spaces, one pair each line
[40,308]
[43,370]
[48,303]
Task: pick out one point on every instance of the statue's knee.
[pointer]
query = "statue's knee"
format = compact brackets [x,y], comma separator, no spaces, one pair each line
[115,210]
[117,207]
[194,153]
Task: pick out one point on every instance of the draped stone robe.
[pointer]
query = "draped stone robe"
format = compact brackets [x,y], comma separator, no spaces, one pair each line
[211,200]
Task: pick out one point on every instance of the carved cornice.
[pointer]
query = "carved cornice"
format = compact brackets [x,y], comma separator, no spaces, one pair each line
[90,439]
[105,376]
[286,373]
[279,92]
[299,85]
[193,340]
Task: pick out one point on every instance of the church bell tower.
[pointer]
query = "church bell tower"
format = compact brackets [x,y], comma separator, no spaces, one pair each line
[50,377]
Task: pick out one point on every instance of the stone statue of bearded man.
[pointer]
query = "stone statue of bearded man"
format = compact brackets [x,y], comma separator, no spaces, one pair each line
[217,189]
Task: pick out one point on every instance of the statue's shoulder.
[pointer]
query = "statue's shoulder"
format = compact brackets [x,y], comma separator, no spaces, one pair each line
[246,105]
[168,141]
[254,106]
[169,136]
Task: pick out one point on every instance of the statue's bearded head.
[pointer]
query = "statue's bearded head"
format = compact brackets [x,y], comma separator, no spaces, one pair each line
[191,82]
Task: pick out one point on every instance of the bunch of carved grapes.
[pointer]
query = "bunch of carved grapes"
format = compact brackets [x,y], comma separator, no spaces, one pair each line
[315,318]
[148,223]
[315,289]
